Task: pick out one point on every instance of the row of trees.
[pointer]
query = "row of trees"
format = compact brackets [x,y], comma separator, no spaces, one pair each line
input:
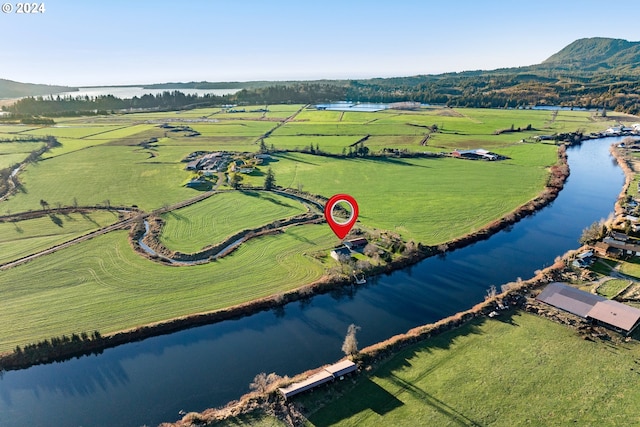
[455,90]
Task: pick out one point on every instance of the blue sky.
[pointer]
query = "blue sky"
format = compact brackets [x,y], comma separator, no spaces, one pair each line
[132,42]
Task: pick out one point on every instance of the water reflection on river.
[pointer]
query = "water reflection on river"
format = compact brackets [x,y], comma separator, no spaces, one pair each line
[150,381]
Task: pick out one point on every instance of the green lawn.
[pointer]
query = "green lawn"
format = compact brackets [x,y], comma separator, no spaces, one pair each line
[631,267]
[611,288]
[21,238]
[522,370]
[208,222]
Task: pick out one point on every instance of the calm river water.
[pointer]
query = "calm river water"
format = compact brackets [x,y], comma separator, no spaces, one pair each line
[149,382]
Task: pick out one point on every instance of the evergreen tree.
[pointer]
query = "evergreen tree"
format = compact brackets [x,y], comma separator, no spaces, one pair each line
[269,180]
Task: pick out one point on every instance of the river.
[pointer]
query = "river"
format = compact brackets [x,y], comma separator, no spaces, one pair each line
[149,382]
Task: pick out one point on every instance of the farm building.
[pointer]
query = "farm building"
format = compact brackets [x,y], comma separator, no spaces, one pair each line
[628,248]
[612,314]
[356,244]
[477,154]
[337,370]
[603,249]
[341,253]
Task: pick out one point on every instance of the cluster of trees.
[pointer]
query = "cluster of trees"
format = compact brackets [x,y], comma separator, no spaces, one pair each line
[357,150]
[5,174]
[64,106]
[49,346]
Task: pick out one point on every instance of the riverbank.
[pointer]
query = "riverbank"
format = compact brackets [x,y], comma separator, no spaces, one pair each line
[62,348]
[270,401]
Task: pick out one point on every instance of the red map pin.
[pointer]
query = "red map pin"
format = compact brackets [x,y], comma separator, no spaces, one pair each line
[339,225]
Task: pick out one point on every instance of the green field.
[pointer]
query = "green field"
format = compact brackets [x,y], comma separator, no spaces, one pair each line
[12,153]
[613,287]
[520,370]
[18,239]
[192,228]
[103,284]
[429,200]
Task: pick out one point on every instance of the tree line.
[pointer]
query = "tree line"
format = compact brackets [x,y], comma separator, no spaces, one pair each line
[469,89]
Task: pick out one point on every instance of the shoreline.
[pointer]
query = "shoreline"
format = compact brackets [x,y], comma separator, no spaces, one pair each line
[63,349]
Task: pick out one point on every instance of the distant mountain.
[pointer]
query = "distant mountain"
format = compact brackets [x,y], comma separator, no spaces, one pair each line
[597,54]
[11,89]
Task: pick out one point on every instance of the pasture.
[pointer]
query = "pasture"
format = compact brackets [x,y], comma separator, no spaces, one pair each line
[21,238]
[192,228]
[430,200]
[516,370]
[103,284]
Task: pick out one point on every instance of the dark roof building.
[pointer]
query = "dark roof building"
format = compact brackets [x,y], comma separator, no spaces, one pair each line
[354,244]
[625,246]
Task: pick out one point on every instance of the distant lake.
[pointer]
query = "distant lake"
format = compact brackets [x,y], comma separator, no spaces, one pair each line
[350,106]
[139,91]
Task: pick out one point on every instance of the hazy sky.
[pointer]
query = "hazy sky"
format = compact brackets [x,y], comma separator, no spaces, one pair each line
[130,42]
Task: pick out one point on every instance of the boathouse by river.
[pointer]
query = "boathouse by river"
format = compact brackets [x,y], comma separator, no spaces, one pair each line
[329,373]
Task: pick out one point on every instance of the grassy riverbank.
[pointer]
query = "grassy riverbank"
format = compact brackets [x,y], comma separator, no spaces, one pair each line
[513,370]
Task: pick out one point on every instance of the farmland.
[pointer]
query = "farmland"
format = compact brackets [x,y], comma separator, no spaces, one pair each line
[191,228]
[110,161]
[519,370]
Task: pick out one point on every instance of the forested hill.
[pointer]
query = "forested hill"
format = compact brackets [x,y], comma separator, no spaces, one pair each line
[597,54]
[11,89]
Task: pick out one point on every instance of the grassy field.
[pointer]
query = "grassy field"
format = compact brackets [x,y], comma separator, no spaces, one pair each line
[611,288]
[430,200]
[521,370]
[206,223]
[18,239]
[12,153]
[103,284]
[122,175]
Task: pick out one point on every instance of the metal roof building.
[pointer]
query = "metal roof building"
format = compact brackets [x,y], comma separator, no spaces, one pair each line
[613,314]
[617,315]
[569,299]
[337,370]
